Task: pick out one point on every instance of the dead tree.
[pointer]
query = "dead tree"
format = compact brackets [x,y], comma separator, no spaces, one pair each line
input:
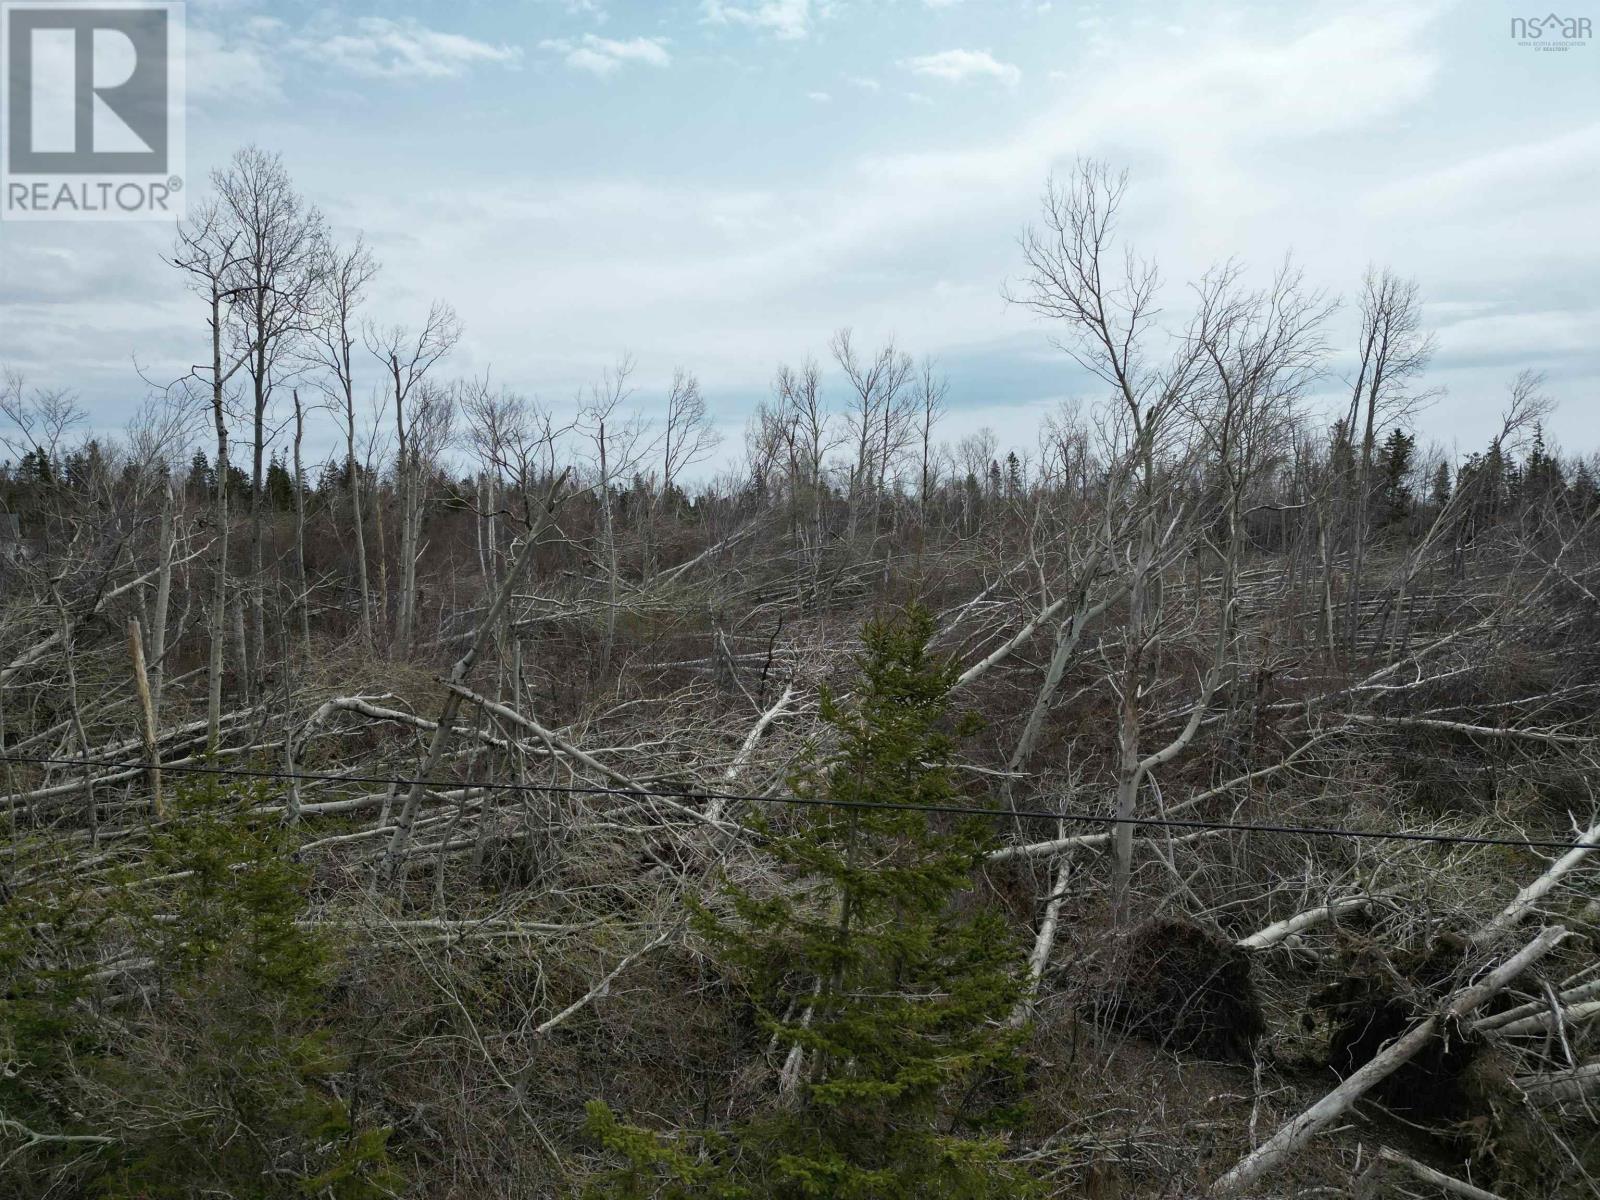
[1292,1136]
[617,440]
[1392,352]
[421,426]
[342,279]
[687,438]
[879,419]
[458,676]
[208,252]
[278,251]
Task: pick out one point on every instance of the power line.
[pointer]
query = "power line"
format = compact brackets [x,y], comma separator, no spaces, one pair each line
[1451,839]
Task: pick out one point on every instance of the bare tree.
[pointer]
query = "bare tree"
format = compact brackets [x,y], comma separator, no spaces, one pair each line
[207,251]
[933,390]
[40,418]
[1392,353]
[421,426]
[342,279]
[273,276]
[879,419]
[1107,312]
[810,438]
[302,581]
[617,440]
[687,438]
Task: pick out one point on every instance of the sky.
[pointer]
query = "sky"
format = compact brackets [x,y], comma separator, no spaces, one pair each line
[719,184]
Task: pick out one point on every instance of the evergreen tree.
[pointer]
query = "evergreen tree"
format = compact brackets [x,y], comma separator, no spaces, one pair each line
[1585,491]
[86,468]
[1394,477]
[1486,478]
[202,481]
[279,485]
[1543,480]
[1013,476]
[217,1084]
[1341,453]
[972,496]
[893,992]
[35,467]
[1439,492]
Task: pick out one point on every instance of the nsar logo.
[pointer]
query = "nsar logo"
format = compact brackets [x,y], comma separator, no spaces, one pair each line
[1551,32]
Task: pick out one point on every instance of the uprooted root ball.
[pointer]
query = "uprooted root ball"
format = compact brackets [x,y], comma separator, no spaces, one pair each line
[1184,988]
[1378,999]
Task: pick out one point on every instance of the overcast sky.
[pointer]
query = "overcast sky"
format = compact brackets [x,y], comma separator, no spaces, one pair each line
[717,184]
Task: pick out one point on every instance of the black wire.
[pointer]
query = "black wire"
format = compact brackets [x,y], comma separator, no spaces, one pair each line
[1453,839]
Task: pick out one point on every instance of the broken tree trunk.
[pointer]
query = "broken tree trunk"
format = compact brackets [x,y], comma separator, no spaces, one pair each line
[731,775]
[40,649]
[458,676]
[1438,1179]
[1044,941]
[559,745]
[1572,995]
[1552,1018]
[147,711]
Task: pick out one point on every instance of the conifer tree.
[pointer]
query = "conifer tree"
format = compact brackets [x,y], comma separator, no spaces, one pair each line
[1440,492]
[868,971]
[1394,471]
[218,1082]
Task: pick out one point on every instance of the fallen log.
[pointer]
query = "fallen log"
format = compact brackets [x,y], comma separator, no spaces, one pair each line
[731,775]
[1545,1021]
[1289,926]
[1572,995]
[1438,1179]
[1511,914]
[444,725]
[1574,1084]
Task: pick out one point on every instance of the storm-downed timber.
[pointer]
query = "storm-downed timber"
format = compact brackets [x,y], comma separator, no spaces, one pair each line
[1278,931]
[1572,995]
[1578,1083]
[1528,897]
[1424,1173]
[1301,1129]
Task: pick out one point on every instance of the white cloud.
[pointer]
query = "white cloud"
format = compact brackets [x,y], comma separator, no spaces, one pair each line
[707,266]
[604,56]
[1510,334]
[788,19]
[1239,138]
[406,49]
[865,83]
[819,97]
[957,66]
[241,71]
[1563,165]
